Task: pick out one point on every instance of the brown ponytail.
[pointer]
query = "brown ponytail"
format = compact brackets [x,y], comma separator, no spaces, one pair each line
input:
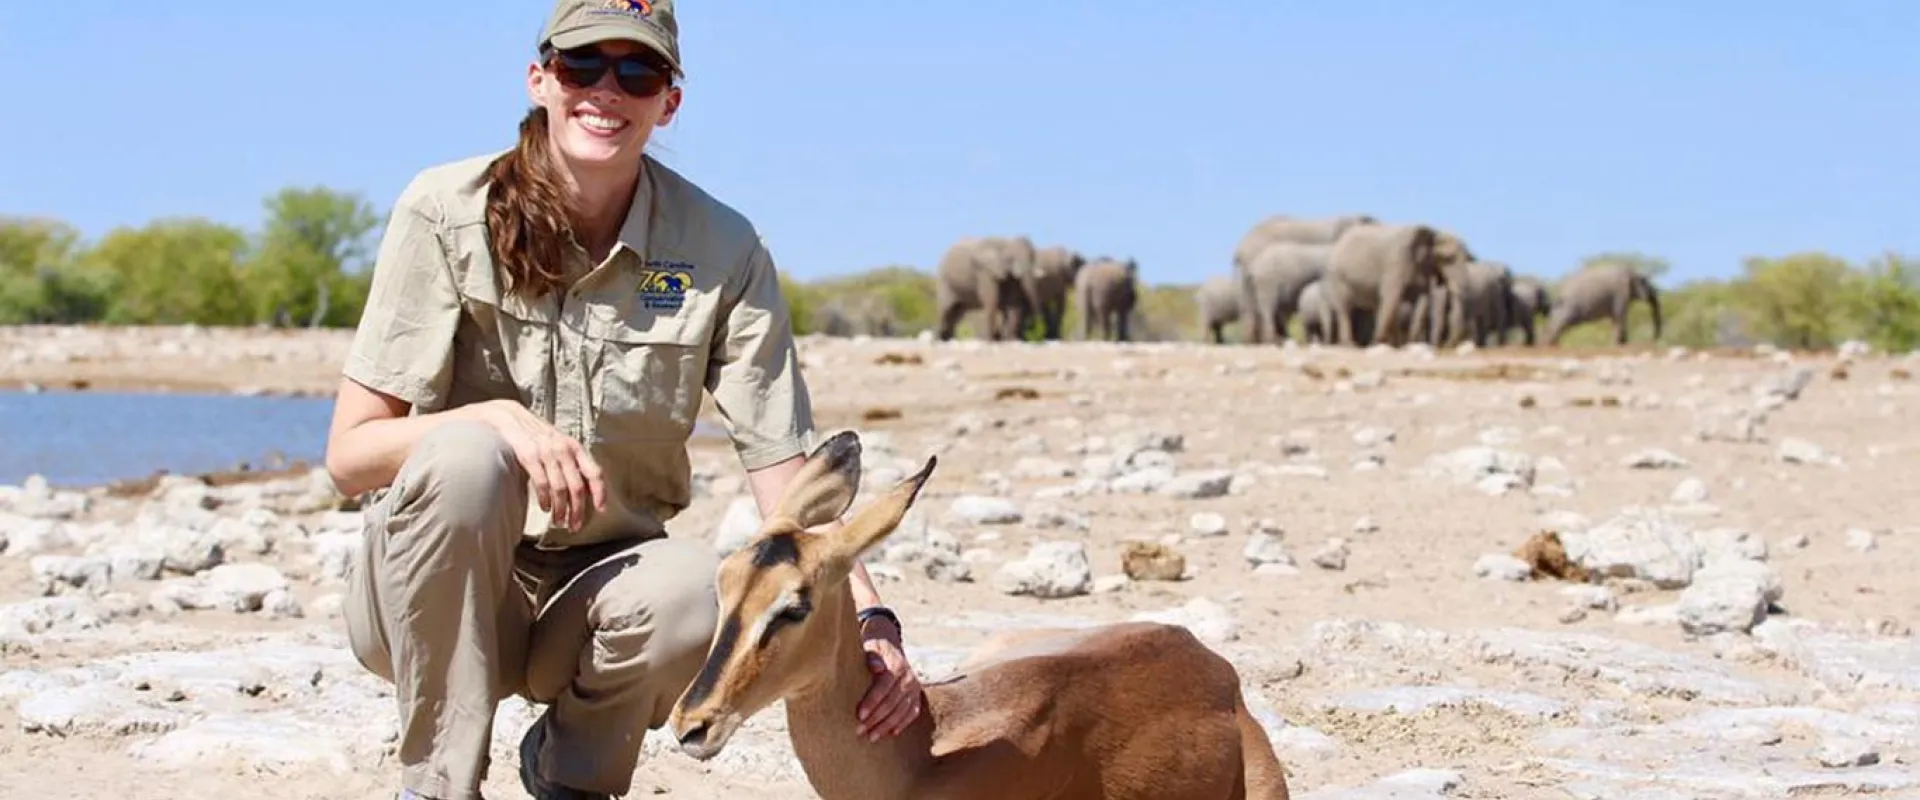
[527,222]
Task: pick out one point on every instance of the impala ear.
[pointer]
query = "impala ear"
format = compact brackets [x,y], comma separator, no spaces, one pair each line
[879,518]
[825,486]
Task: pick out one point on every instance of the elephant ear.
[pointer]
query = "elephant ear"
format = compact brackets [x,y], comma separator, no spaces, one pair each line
[1421,248]
[991,259]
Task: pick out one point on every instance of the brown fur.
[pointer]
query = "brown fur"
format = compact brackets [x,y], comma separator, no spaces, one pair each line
[1548,557]
[1129,711]
[1152,561]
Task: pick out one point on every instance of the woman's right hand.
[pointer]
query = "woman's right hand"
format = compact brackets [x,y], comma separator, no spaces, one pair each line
[565,476]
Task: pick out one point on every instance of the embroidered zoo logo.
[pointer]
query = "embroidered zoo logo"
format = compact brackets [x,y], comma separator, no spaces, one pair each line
[638,8]
[664,290]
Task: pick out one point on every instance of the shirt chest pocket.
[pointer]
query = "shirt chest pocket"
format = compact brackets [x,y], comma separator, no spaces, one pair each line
[503,345]
[650,377]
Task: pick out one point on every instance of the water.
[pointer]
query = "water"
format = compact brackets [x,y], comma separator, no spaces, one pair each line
[90,438]
[86,438]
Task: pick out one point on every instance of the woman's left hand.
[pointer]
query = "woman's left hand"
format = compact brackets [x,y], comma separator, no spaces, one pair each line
[894,700]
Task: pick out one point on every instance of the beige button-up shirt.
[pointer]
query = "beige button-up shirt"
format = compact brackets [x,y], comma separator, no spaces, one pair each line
[688,300]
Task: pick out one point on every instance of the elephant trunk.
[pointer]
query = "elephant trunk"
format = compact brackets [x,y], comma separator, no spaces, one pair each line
[1653,301]
[1250,317]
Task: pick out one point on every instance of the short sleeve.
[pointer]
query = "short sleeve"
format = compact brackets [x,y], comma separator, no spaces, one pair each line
[754,369]
[403,345]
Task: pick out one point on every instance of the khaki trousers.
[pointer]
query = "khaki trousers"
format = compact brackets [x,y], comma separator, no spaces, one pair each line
[454,606]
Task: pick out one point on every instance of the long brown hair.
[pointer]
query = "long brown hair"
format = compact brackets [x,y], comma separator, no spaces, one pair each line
[527,222]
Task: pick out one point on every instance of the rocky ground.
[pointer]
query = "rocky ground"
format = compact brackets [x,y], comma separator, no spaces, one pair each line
[1643,574]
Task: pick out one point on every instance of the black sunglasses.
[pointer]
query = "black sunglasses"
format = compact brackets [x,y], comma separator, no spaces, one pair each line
[637,75]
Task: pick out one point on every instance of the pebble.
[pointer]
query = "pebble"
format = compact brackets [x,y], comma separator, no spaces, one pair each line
[1501,567]
[1050,569]
[1264,548]
[981,510]
[1690,491]
[1728,596]
[1332,555]
[1800,451]
[1861,540]
[1198,485]
[1655,458]
[1207,523]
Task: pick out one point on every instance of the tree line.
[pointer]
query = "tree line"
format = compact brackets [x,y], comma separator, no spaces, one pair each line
[307,266]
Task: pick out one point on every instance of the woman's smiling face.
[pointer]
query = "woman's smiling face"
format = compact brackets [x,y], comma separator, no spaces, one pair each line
[603,101]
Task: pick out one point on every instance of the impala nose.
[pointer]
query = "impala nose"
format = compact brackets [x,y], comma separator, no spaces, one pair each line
[695,736]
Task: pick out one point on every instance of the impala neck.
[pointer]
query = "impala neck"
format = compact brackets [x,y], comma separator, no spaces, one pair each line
[823,722]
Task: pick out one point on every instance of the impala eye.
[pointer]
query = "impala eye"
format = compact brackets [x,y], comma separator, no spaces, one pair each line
[796,611]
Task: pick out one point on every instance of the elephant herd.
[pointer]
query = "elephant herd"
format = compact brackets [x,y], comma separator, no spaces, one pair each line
[1357,280]
[1351,279]
[1009,281]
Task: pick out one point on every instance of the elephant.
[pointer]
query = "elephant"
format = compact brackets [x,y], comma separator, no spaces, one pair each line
[1107,290]
[1054,269]
[992,274]
[864,315]
[1218,301]
[1600,291]
[1485,297]
[1282,228]
[1530,299]
[1426,315]
[1276,276]
[1316,318]
[1378,267]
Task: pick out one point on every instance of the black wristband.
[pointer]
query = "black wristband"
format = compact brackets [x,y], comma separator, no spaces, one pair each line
[879,611]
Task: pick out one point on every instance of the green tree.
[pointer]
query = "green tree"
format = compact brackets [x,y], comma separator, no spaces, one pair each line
[893,298]
[1796,300]
[40,280]
[173,271]
[1701,313]
[800,303]
[1883,304]
[311,265]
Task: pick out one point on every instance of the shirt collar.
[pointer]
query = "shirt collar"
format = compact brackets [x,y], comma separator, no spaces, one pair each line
[633,230]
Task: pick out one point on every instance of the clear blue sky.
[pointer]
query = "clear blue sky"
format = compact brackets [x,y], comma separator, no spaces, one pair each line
[857,132]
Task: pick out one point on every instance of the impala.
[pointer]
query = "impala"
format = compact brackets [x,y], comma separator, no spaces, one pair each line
[1133,711]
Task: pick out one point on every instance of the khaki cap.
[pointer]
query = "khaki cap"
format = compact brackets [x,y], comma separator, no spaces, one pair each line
[575,23]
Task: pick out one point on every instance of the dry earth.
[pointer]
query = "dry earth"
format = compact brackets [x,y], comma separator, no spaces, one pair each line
[1342,522]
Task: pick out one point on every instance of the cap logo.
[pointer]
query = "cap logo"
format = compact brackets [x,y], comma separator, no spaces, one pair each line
[638,8]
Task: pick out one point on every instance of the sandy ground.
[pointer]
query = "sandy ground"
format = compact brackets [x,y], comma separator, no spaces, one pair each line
[1383,662]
